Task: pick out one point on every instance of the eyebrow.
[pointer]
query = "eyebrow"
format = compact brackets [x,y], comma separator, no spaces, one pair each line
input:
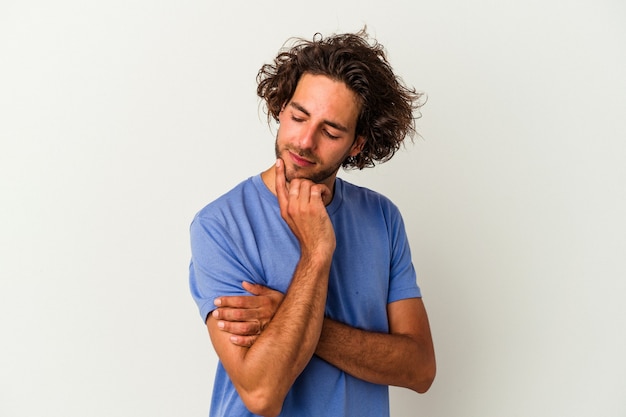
[330,123]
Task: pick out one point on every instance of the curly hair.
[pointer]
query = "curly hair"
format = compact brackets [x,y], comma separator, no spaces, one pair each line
[387,105]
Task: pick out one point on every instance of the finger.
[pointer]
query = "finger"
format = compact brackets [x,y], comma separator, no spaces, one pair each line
[294,188]
[243,341]
[256,289]
[244,328]
[321,191]
[236,314]
[304,192]
[238,301]
[316,193]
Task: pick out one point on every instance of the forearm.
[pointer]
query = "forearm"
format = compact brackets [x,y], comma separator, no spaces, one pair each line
[268,369]
[294,332]
[380,358]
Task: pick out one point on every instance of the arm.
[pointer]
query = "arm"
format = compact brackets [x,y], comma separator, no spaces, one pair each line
[264,372]
[403,357]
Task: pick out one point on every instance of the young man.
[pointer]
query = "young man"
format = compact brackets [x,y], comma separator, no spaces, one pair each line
[305,281]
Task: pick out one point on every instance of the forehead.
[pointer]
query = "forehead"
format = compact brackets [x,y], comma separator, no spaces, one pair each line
[322,96]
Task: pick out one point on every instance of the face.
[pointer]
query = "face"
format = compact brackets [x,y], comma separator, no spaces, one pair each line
[317,129]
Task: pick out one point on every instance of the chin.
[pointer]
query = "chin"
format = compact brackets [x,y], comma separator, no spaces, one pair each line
[292,173]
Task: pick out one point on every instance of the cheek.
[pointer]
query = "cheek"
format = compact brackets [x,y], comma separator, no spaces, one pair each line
[280,134]
[287,131]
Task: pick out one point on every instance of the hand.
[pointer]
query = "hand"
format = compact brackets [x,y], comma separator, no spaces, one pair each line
[303,207]
[246,316]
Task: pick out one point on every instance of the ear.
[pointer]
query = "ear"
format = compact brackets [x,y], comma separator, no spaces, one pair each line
[357,146]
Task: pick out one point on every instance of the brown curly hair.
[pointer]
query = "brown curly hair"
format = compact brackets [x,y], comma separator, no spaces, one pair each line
[387,105]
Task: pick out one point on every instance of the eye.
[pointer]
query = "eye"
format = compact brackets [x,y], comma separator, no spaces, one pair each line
[296,119]
[329,135]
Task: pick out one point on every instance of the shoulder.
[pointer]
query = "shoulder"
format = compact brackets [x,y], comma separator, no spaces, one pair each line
[247,209]
[245,198]
[227,199]
[359,196]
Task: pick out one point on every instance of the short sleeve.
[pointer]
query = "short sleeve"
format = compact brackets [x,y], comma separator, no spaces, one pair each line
[214,269]
[402,280]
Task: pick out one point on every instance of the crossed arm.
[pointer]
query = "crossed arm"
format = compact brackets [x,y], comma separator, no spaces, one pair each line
[403,357]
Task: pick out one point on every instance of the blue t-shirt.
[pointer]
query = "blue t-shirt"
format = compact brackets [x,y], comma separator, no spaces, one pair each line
[242,237]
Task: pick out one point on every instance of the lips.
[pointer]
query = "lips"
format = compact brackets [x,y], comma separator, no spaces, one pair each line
[300,161]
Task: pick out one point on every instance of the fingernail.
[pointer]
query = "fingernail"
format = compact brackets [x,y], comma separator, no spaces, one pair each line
[220,324]
[217,302]
[215,314]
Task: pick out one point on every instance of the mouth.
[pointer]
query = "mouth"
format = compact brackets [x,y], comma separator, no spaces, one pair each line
[299,161]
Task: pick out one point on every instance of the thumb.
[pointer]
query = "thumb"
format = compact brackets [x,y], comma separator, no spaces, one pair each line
[255,289]
[281,183]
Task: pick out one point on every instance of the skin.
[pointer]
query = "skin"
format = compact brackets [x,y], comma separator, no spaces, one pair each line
[404,357]
[265,340]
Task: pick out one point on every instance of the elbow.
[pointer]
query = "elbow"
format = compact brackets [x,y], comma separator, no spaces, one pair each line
[424,378]
[263,403]
[423,386]
[265,410]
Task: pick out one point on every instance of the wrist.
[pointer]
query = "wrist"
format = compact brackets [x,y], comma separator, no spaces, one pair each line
[318,258]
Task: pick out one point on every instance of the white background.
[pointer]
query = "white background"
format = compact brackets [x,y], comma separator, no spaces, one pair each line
[120,119]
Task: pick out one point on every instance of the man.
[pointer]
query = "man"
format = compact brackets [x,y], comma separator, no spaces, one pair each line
[305,281]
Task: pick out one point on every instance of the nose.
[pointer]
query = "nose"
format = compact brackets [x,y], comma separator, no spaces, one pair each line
[308,137]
